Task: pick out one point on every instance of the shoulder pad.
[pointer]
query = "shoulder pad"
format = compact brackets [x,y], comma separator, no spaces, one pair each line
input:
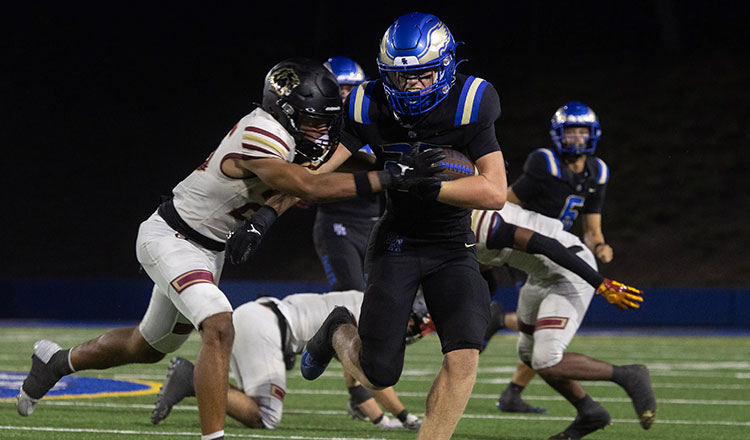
[468,102]
[602,176]
[359,102]
[542,161]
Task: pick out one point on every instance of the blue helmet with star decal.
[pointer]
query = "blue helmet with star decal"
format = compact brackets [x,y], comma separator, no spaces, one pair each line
[417,42]
[575,114]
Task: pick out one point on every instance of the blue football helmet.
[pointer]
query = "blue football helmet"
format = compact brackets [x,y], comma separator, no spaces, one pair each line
[347,71]
[413,43]
[575,114]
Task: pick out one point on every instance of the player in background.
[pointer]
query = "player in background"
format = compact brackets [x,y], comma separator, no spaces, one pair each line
[565,183]
[266,330]
[341,229]
[424,237]
[182,244]
[552,304]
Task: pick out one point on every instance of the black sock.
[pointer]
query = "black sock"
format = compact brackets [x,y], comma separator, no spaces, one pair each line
[583,404]
[618,374]
[59,363]
[515,388]
[402,415]
[376,421]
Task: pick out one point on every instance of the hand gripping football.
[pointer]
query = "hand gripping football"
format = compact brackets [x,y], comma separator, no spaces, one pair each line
[457,165]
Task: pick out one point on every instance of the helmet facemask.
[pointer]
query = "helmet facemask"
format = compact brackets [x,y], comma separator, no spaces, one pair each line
[575,114]
[316,137]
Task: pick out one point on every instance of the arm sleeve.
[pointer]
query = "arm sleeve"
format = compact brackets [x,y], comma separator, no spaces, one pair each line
[555,251]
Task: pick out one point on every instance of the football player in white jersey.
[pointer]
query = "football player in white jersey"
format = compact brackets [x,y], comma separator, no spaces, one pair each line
[266,330]
[181,245]
[552,305]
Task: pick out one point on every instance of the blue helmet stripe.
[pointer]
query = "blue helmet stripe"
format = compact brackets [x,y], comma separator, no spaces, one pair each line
[359,102]
[468,101]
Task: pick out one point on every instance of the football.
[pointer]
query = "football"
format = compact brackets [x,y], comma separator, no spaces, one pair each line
[457,165]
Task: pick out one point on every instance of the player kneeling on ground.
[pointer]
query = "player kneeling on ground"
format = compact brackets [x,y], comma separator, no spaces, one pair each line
[268,334]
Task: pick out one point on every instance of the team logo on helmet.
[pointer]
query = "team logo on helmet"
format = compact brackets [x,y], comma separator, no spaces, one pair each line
[284,80]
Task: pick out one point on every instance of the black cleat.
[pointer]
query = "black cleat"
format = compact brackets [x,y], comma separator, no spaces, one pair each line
[177,386]
[638,386]
[585,424]
[510,401]
[517,405]
[319,349]
[42,377]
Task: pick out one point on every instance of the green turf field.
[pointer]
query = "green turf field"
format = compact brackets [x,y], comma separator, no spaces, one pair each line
[702,386]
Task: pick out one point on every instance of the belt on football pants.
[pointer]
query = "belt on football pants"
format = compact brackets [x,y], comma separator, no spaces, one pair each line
[282,321]
[170,215]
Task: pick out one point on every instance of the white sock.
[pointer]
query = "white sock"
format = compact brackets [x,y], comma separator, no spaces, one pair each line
[213,435]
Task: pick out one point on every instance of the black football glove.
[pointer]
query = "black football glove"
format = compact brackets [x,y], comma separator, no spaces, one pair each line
[426,189]
[412,168]
[245,239]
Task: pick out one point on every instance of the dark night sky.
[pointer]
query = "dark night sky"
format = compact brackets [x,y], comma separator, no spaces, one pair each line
[109,107]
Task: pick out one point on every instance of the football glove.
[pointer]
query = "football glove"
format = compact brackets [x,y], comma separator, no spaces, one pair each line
[245,239]
[622,296]
[412,168]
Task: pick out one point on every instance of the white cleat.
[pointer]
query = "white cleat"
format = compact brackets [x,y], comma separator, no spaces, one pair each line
[25,404]
[40,378]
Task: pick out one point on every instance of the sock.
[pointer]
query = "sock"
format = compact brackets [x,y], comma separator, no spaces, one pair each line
[583,404]
[515,388]
[402,415]
[377,420]
[618,375]
[218,435]
[60,363]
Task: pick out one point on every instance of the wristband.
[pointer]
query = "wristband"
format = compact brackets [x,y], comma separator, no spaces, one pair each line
[264,216]
[362,184]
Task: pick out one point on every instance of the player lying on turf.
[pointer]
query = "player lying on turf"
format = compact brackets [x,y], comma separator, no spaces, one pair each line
[268,334]
[552,305]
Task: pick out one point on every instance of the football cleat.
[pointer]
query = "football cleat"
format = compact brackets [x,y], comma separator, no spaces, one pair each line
[585,424]
[353,410]
[517,405]
[638,386]
[412,422]
[177,385]
[388,423]
[319,349]
[42,377]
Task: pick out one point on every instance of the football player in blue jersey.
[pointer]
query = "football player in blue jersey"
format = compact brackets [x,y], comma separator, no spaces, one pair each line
[560,183]
[341,229]
[569,180]
[424,237]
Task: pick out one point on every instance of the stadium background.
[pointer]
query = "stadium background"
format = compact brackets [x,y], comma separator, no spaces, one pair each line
[107,108]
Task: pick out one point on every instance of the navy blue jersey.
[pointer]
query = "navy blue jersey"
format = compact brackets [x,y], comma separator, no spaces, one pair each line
[549,187]
[463,121]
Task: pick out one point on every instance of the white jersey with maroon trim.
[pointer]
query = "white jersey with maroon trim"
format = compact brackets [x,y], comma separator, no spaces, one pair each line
[305,312]
[537,266]
[211,202]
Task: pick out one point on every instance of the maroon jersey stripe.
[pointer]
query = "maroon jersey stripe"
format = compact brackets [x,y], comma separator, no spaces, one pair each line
[268,134]
[187,279]
[261,149]
[552,322]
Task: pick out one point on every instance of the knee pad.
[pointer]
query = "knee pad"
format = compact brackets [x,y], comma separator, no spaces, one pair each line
[545,355]
[525,347]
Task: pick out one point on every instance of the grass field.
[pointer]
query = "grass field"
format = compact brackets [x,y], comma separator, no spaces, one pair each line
[702,386]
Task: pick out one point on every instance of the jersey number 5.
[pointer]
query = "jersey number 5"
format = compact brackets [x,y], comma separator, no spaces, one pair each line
[570,211]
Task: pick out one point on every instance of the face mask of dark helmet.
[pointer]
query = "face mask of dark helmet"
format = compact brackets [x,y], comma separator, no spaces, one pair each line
[302,94]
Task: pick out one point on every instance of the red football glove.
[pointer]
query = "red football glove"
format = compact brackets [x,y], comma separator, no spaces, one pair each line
[622,296]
